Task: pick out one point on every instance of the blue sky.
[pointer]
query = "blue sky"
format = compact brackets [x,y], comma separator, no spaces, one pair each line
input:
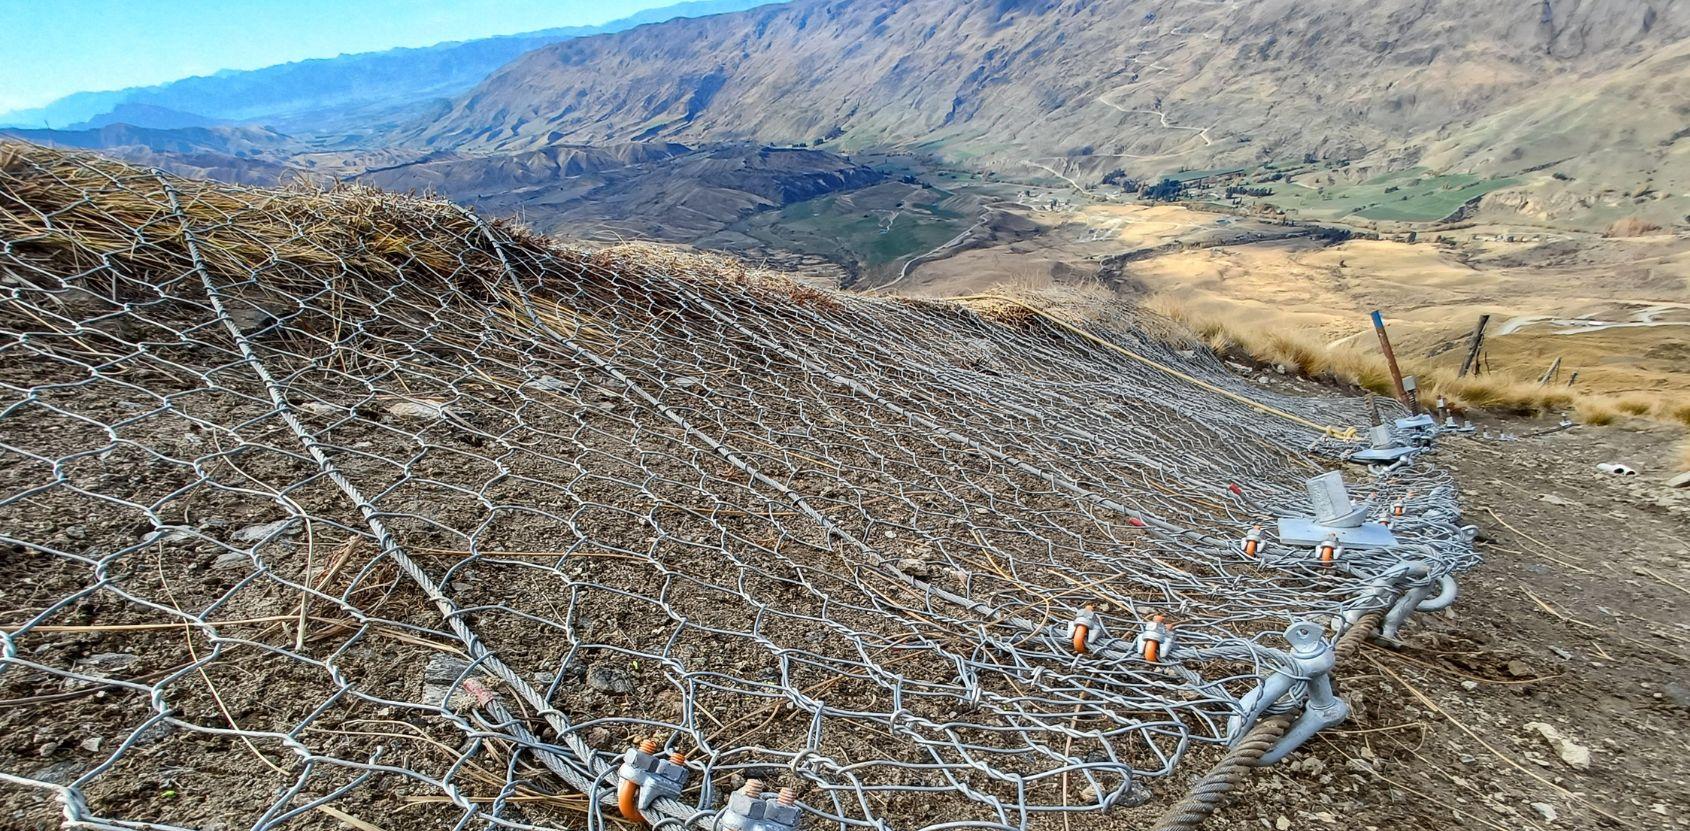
[50,48]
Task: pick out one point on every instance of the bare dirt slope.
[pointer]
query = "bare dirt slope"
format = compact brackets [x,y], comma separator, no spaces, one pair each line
[1576,621]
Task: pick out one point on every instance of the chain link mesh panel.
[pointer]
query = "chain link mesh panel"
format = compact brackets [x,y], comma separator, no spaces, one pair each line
[329,509]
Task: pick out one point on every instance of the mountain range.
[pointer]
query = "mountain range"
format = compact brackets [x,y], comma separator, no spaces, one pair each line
[1567,113]
[1082,87]
[313,94]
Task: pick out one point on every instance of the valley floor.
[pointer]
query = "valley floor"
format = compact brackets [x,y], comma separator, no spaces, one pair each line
[1616,311]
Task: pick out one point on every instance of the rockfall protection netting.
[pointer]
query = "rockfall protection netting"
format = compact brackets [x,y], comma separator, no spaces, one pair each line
[341,509]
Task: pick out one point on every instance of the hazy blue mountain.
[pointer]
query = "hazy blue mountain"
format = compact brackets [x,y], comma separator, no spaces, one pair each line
[296,95]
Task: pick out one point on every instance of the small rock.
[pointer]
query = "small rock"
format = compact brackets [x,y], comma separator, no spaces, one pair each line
[609,679]
[231,561]
[1520,669]
[167,534]
[1682,480]
[158,731]
[1137,794]
[1545,810]
[435,695]
[549,384]
[92,745]
[259,533]
[417,410]
[320,409]
[443,669]
[1576,755]
[1283,823]
[918,569]
[1557,500]
[60,773]
[443,676]
[108,661]
[75,532]
[1469,685]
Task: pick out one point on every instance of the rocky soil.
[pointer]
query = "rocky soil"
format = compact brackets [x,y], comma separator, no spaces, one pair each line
[1556,694]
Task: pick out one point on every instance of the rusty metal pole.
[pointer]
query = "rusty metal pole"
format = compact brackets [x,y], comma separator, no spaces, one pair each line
[1390,357]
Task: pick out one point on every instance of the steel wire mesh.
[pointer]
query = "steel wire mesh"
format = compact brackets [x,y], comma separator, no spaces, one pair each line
[336,507]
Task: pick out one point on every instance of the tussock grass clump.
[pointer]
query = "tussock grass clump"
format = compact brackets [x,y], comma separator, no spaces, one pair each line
[1597,411]
[1502,394]
[1676,411]
[1635,404]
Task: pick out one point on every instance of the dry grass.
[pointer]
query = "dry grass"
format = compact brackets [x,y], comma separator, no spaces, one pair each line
[1352,363]
[80,209]
[1086,305]
[1676,411]
[1636,404]
[1631,226]
[1597,411]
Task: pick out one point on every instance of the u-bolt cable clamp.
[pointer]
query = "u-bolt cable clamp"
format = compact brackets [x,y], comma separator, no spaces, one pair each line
[752,809]
[647,776]
[1329,551]
[1155,640]
[1252,545]
[1085,630]
[1307,668]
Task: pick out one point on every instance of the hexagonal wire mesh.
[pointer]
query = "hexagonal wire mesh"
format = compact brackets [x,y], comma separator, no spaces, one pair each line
[338,508]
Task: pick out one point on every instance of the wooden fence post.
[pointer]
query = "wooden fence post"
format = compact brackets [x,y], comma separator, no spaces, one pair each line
[1473,346]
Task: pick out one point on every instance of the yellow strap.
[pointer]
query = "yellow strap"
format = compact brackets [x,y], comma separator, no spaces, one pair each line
[1346,434]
